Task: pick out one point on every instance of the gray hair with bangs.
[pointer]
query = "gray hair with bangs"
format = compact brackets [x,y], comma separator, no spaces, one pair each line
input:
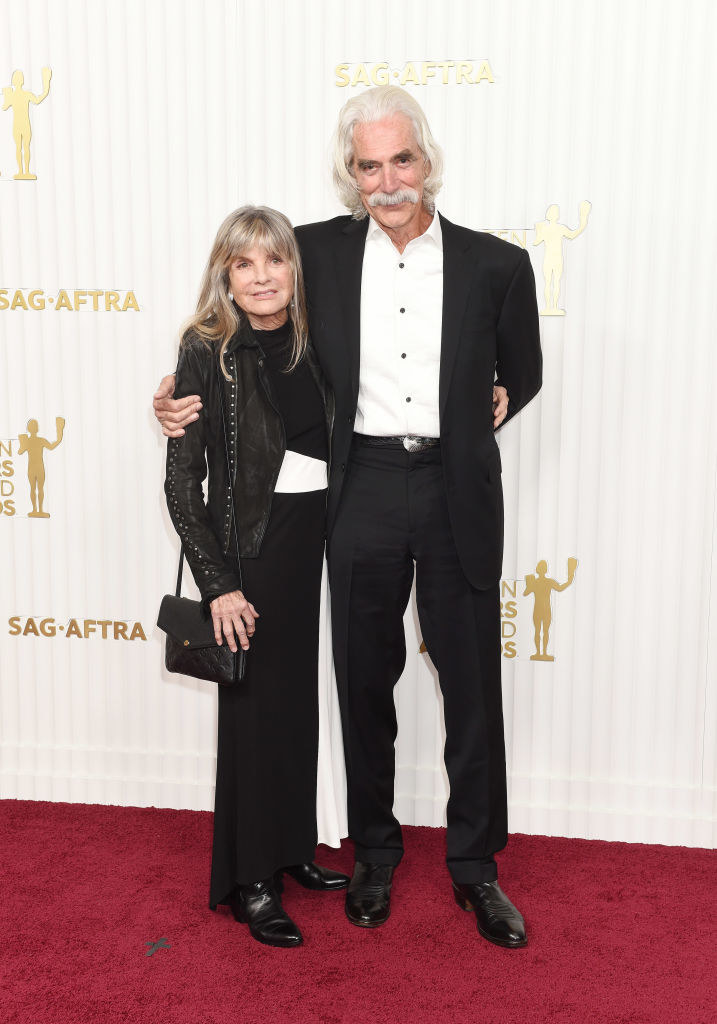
[366,108]
[217,318]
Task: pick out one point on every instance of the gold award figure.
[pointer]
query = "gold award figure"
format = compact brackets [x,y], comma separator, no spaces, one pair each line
[541,587]
[550,233]
[19,99]
[34,446]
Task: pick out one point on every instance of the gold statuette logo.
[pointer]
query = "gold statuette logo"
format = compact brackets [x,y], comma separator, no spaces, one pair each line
[542,587]
[18,99]
[553,235]
[515,631]
[34,447]
[518,634]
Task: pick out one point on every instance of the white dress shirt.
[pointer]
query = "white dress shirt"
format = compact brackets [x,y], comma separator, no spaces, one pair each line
[401,315]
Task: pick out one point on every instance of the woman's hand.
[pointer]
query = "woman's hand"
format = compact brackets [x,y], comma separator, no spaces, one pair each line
[233,614]
[500,405]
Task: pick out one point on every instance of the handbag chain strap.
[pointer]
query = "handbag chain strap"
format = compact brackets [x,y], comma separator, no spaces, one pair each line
[178,592]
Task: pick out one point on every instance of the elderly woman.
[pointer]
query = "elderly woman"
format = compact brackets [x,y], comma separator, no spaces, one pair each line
[264,438]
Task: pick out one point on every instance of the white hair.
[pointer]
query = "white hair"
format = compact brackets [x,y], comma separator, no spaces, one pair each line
[366,108]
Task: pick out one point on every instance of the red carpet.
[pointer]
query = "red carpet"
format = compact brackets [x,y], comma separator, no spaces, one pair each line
[618,933]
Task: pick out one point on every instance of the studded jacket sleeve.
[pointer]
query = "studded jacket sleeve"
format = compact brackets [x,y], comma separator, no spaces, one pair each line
[185,473]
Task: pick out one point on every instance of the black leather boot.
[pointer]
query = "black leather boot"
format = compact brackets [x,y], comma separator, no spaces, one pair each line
[312,876]
[259,906]
[368,900]
[498,920]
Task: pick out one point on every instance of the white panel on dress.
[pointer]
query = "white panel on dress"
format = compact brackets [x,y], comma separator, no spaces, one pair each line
[300,473]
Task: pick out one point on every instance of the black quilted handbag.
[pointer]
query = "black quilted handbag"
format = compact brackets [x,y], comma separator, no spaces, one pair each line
[190,646]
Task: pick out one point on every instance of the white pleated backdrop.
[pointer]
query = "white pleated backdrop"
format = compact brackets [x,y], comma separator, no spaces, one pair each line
[163,116]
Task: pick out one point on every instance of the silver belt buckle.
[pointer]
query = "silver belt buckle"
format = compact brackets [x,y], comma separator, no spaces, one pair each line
[410,443]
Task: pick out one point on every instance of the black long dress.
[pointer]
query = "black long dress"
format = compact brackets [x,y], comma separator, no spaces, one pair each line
[265,799]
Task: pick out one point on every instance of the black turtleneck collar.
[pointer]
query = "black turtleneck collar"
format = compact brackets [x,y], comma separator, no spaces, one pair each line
[248,337]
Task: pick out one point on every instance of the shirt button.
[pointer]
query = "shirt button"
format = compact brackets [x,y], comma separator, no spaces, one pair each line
[408,399]
[402,310]
[402,265]
[403,355]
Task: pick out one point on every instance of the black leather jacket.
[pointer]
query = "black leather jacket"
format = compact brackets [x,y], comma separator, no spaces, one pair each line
[256,445]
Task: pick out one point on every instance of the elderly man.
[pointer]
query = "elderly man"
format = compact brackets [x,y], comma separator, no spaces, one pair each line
[420,326]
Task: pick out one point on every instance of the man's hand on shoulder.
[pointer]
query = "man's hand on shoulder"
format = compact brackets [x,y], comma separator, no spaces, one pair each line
[174,413]
[500,405]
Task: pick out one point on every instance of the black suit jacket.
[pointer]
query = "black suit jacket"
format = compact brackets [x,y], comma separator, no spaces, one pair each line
[490,323]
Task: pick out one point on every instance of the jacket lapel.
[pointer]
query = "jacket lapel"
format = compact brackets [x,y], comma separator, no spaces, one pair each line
[349,266]
[458,275]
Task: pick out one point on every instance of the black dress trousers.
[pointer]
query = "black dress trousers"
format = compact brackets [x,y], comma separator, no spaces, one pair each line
[393,514]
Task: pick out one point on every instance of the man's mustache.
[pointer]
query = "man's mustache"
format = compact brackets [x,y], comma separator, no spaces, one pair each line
[404,195]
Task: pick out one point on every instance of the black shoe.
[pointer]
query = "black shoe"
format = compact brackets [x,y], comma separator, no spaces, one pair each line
[368,900]
[259,906]
[312,876]
[498,920]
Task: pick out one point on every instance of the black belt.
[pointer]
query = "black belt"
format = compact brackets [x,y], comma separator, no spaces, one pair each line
[410,442]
